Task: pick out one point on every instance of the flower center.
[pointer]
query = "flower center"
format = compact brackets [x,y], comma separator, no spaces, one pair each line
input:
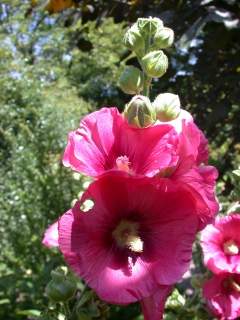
[123,163]
[127,236]
[230,248]
[231,284]
[167,172]
[235,286]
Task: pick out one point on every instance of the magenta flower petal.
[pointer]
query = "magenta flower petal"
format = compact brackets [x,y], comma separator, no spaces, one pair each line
[203,152]
[201,181]
[192,145]
[90,147]
[222,293]
[221,244]
[188,147]
[191,149]
[153,306]
[50,238]
[121,245]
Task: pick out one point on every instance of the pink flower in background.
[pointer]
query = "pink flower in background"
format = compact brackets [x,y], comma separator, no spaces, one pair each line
[105,141]
[135,237]
[222,293]
[153,306]
[50,238]
[221,244]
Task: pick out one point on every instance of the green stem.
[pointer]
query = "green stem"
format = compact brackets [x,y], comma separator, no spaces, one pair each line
[147,80]
[147,85]
[66,310]
[130,56]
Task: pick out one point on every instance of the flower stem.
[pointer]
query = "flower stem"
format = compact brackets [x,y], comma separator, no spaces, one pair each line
[147,80]
[67,310]
[147,85]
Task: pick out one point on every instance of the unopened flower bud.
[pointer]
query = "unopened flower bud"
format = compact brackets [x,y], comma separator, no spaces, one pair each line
[131,80]
[139,112]
[155,64]
[175,300]
[60,288]
[134,41]
[59,273]
[149,26]
[163,38]
[167,106]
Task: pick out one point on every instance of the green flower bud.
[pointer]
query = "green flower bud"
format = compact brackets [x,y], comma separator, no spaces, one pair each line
[63,291]
[134,41]
[139,112]
[59,273]
[163,38]
[175,301]
[60,288]
[149,26]
[131,80]
[155,64]
[167,106]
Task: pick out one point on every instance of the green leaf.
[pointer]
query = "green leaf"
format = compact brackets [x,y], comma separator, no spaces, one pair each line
[30,312]
[4,301]
[237,172]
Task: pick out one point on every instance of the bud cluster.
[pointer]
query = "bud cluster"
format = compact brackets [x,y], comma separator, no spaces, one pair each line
[145,39]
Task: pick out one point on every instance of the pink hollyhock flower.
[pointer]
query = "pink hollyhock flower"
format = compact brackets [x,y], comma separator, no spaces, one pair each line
[50,238]
[106,142]
[175,149]
[135,236]
[221,244]
[153,306]
[222,293]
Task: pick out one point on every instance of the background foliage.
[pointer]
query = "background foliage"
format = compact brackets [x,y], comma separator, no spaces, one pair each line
[56,68]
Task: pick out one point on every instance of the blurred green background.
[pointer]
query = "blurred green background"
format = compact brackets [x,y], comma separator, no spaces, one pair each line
[56,68]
